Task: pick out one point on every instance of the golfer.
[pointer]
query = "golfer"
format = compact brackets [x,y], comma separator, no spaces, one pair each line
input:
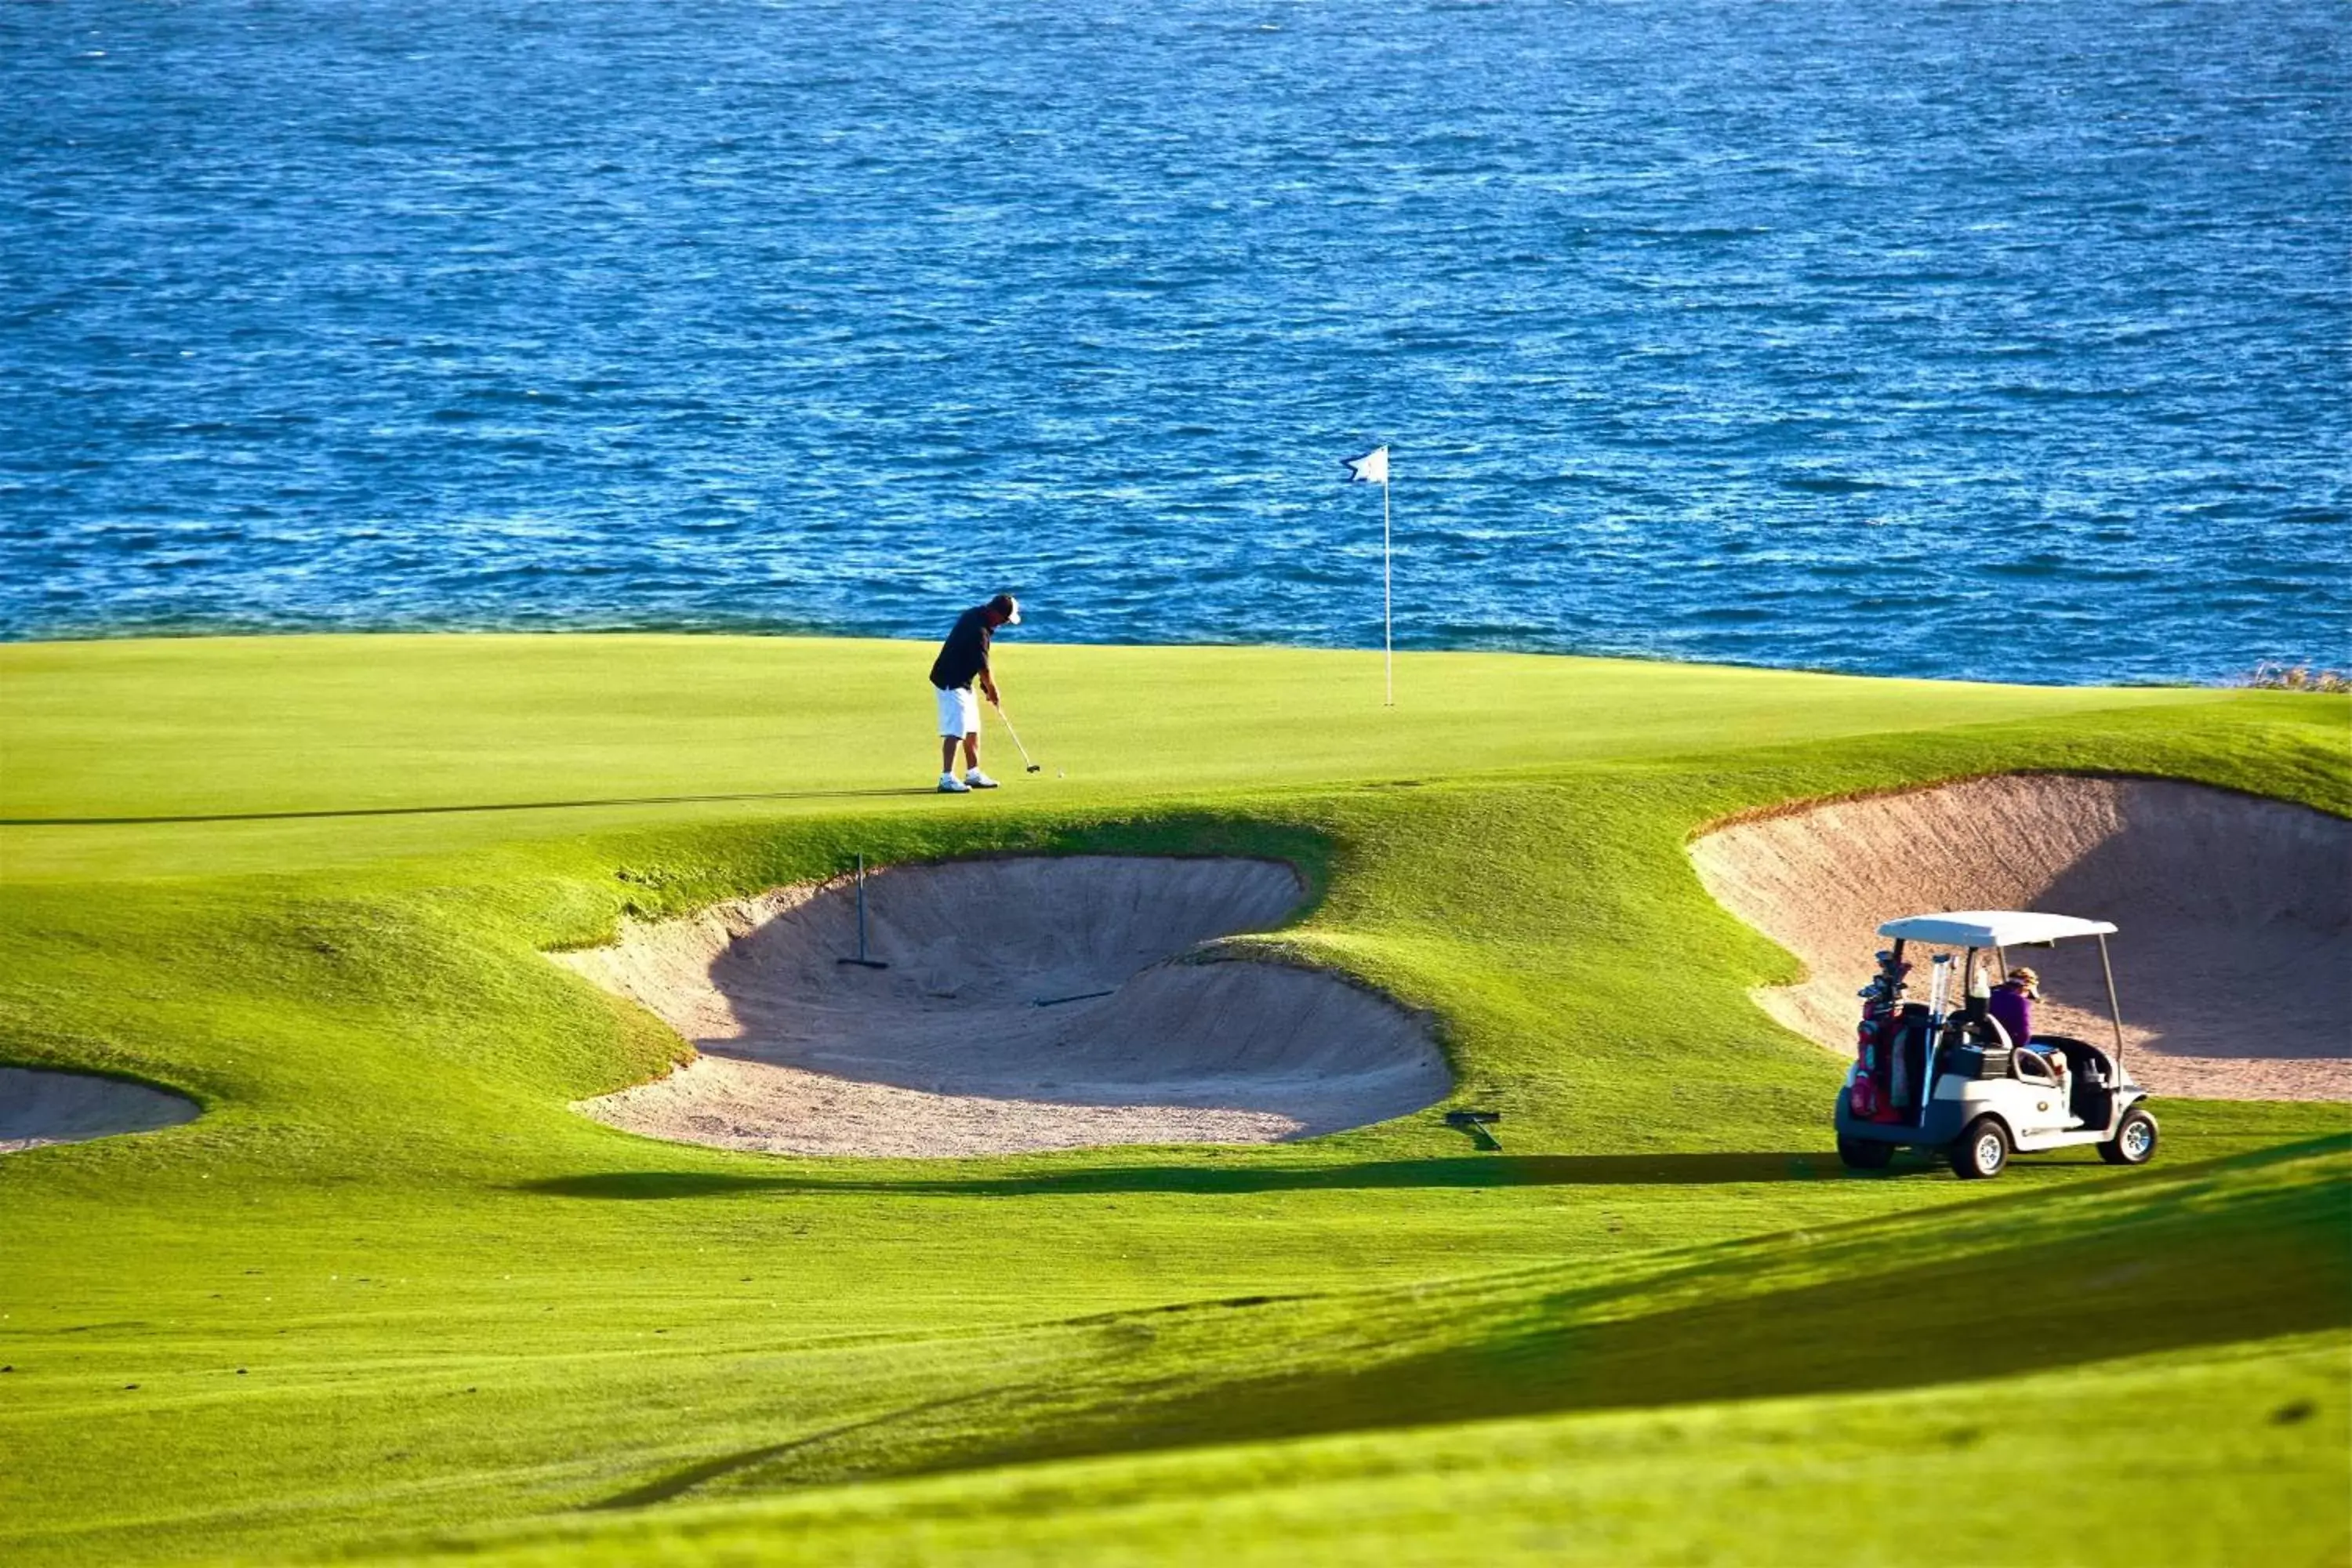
[963,659]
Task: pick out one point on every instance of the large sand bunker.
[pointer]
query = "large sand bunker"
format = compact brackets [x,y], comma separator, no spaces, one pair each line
[2234,955]
[949,1051]
[41,1108]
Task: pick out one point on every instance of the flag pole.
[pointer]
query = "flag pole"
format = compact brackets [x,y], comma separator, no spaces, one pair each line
[1372,467]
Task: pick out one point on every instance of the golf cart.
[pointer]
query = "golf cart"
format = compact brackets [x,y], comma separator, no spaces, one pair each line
[1943,1076]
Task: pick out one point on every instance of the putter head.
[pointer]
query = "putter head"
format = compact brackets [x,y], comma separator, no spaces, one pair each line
[1036,767]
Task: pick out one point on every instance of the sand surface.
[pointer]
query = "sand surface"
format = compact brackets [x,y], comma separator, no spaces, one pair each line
[40,1107]
[2235,954]
[947,1052]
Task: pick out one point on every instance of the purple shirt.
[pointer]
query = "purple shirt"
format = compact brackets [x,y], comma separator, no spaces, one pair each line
[2014,1010]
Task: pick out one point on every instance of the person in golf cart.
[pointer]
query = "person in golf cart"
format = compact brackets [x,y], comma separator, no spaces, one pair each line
[963,659]
[2011,1004]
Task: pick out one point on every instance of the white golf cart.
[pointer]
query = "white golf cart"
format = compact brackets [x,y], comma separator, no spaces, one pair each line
[1943,1076]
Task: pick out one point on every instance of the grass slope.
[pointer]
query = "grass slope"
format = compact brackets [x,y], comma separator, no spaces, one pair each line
[2080,1467]
[388,1285]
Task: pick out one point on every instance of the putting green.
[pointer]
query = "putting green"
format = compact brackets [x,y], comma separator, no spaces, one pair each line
[388,1294]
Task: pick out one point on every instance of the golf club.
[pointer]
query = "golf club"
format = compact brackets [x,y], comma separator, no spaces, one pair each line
[1017,746]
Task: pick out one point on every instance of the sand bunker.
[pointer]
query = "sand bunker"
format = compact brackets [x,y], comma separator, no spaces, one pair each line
[2234,956]
[41,1108]
[949,1051]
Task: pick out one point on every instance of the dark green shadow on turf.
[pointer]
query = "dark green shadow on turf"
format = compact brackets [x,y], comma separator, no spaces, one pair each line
[2198,1264]
[1470,1171]
[2203,1255]
[662,1489]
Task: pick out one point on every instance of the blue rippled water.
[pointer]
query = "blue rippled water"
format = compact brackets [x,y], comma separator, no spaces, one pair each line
[1998,338]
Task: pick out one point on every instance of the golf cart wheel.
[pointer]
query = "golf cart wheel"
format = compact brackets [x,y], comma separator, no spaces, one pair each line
[1865,1154]
[2134,1142]
[1981,1152]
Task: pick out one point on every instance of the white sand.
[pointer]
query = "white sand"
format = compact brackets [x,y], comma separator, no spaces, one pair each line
[946,1052]
[41,1108]
[2234,955]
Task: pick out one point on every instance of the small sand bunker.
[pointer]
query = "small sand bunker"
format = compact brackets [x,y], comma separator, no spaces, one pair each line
[1029,1003]
[40,1107]
[2234,955]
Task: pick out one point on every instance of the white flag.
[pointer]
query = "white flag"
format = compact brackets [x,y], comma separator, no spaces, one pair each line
[1371,469]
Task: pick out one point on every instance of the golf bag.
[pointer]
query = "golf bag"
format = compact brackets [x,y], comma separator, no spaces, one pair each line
[1876,1093]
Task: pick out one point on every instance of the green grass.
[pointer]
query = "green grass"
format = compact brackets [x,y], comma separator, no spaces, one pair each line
[309,880]
[2084,1466]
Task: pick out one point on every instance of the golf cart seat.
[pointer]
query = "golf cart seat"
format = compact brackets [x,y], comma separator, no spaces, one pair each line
[2081,1056]
[1976,1047]
[2091,1078]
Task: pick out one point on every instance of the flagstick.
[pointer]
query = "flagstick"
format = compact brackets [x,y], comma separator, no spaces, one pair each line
[1388,600]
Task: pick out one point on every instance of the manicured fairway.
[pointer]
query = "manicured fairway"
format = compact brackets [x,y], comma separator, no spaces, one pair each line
[389,1295]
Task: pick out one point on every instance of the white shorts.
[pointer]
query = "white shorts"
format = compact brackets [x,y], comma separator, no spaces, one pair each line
[958,711]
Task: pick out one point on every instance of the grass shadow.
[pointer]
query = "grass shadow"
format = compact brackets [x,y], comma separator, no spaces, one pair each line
[2242,1249]
[1467,1171]
[2200,1266]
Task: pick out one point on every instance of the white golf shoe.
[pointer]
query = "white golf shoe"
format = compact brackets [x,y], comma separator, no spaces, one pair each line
[951,784]
[975,779]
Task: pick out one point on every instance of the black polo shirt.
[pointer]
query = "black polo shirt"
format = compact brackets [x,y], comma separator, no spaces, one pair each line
[963,658]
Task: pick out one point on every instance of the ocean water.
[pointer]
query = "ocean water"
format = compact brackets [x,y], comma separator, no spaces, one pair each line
[1983,338]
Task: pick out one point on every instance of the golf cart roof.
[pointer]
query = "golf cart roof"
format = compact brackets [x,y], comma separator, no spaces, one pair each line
[1990,928]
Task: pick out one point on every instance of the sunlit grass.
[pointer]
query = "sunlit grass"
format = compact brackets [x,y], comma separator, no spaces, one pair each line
[388,1284]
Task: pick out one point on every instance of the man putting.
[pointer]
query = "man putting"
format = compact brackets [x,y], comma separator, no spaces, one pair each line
[963,659]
